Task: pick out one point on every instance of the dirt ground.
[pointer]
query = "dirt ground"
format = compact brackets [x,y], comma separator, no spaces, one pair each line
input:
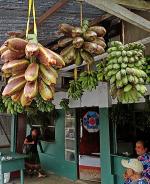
[51,179]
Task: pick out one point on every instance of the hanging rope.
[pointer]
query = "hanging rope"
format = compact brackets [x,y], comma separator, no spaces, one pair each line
[31,6]
[34,17]
[81,13]
[123,33]
[81,23]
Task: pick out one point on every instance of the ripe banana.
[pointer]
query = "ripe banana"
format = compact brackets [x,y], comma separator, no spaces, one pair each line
[31,73]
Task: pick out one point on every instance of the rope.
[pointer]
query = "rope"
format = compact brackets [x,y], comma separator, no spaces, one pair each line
[31,6]
[81,13]
[34,17]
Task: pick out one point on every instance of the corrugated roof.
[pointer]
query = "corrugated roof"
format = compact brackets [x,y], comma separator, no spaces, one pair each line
[13,17]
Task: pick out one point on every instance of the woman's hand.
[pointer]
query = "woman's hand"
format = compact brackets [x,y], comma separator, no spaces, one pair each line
[27,142]
[125,176]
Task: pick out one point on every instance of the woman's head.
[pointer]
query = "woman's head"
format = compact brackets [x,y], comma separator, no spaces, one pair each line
[141,147]
[34,132]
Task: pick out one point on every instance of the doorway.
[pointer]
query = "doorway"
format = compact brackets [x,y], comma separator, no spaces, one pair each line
[88,134]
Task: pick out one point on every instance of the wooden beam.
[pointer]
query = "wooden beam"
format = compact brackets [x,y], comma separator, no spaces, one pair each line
[121,12]
[99,19]
[47,14]
[97,58]
[51,11]
[144,41]
[134,4]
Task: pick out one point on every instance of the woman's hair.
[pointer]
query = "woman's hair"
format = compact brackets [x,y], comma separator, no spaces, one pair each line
[34,129]
[144,143]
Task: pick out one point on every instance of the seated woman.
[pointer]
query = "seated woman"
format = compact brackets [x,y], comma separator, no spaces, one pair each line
[134,169]
[141,149]
[30,144]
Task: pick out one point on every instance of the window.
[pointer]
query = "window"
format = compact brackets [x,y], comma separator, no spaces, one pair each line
[45,122]
[128,123]
[49,132]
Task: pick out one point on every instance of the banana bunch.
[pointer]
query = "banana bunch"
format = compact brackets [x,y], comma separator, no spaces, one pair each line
[31,69]
[81,43]
[64,103]
[100,71]
[11,106]
[75,90]
[2,106]
[88,80]
[146,68]
[124,71]
[44,106]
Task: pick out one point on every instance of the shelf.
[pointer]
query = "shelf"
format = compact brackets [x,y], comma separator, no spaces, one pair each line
[69,150]
[67,138]
[70,118]
[70,128]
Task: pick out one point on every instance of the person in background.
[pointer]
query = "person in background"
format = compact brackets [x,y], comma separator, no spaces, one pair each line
[33,140]
[141,149]
[134,169]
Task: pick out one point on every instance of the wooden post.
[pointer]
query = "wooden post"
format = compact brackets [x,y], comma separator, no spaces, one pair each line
[13,133]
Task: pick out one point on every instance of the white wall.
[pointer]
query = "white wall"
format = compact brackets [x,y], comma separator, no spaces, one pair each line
[99,97]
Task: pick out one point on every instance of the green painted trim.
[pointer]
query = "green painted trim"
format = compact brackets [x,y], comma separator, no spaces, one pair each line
[13,133]
[53,158]
[106,170]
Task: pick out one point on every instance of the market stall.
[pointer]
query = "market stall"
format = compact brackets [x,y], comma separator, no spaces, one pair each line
[71,86]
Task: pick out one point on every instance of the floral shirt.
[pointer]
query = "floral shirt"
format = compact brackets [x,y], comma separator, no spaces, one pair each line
[140,181]
[145,159]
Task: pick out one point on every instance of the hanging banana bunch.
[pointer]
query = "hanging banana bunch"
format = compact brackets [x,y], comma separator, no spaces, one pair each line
[88,80]
[81,43]
[146,68]
[30,69]
[124,71]
[100,71]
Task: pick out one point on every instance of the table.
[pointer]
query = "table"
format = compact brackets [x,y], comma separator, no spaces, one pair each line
[15,164]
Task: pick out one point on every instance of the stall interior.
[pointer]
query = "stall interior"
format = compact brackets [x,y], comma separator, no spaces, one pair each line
[128,124]
[88,134]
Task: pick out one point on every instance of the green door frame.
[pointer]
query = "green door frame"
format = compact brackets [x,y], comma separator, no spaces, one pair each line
[106,168]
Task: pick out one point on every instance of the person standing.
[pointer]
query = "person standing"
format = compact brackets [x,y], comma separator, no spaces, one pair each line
[30,145]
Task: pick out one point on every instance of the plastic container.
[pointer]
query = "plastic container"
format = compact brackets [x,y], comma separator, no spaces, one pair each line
[6,177]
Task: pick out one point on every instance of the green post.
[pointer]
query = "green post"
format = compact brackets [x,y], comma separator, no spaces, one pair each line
[13,133]
[106,172]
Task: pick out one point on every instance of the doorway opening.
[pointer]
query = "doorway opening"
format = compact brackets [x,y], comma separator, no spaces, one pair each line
[88,134]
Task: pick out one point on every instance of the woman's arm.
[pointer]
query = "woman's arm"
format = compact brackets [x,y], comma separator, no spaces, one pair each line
[27,142]
[40,145]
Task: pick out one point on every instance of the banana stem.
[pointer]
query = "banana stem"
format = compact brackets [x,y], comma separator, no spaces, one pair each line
[32,59]
[88,67]
[75,74]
